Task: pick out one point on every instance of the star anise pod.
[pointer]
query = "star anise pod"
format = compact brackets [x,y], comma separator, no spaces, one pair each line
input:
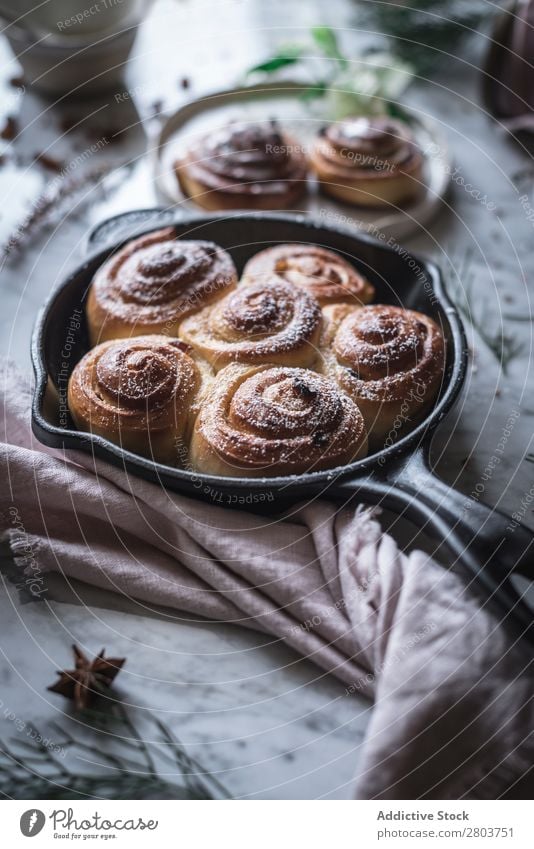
[88,679]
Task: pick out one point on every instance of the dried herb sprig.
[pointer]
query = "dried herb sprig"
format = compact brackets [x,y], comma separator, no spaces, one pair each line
[504,346]
[112,761]
[67,194]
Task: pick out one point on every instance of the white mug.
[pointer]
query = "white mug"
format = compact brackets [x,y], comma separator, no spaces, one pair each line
[76,19]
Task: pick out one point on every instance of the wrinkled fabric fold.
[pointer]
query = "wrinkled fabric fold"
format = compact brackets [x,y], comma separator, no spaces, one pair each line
[453,714]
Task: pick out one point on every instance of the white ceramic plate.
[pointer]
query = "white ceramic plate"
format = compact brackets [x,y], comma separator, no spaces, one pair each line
[281,101]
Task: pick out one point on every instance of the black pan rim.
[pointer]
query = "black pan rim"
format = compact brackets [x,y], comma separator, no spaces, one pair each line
[57,437]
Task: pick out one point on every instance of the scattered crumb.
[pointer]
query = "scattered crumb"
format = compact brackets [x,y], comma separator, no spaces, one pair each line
[10,129]
[108,135]
[68,123]
[49,162]
[523,174]
[156,108]
[113,136]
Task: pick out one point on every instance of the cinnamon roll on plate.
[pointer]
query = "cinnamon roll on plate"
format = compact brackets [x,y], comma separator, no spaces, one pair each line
[265,421]
[153,282]
[323,273]
[243,166]
[370,162]
[142,394]
[389,360]
[271,322]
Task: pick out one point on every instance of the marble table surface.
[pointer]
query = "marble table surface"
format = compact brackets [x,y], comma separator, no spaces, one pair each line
[267,722]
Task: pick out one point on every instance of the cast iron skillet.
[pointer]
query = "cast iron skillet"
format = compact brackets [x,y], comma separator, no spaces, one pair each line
[482,541]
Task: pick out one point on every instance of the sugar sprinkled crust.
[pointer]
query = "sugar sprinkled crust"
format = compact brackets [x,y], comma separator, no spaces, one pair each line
[368,161]
[388,359]
[141,393]
[153,282]
[376,148]
[322,273]
[268,420]
[243,166]
[305,377]
[266,322]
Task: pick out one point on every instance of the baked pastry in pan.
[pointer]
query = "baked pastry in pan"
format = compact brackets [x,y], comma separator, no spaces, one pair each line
[153,282]
[142,394]
[371,162]
[322,273]
[243,166]
[389,360]
[269,420]
[266,322]
[290,371]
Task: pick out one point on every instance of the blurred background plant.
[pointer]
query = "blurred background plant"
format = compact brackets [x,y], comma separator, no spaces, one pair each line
[425,33]
[369,85]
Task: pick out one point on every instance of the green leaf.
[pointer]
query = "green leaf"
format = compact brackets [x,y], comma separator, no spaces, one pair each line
[285,56]
[326,40]
[316,90]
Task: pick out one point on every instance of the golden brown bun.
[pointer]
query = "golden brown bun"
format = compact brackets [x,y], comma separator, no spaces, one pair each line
[333,315]
[389,360]
[262,323]
[151,283]
[243,166]
[322,273]
[142,393]
[265,421]
[370,162]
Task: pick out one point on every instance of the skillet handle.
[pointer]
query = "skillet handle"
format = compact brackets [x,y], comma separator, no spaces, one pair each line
[485,543]
[108,232]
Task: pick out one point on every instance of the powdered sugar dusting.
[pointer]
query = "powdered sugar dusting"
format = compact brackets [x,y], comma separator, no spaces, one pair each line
[281,417]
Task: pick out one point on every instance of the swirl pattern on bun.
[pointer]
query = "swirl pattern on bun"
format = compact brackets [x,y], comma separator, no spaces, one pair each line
[142,393]
[243,166]
[389,360]
[153,282]
[322,273]
[261,323]
[265,420]
[368,162]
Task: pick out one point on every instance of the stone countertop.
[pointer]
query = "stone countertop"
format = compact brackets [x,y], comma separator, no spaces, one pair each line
[268,723]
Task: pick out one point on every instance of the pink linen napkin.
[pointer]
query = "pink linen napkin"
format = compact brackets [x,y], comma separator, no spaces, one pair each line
[454,710]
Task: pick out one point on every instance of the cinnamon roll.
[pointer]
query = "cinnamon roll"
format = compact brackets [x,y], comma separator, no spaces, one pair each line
[143,394]
[389,360]
[243,166]
[321,272]
[265,421]
[151,283]
[262,323]
[368,162]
